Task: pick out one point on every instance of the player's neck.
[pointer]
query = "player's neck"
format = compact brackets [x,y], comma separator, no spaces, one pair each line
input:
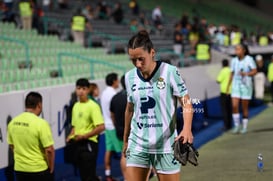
[83,100]
[148,74]
[31,110]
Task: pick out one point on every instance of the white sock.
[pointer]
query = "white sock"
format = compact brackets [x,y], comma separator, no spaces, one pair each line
[245,123]
[107,172]
[236,119]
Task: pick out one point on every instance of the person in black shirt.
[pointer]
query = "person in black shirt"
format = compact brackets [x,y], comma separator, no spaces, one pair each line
[117,109]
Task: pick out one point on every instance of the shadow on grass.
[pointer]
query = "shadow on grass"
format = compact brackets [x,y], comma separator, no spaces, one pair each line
[262,130]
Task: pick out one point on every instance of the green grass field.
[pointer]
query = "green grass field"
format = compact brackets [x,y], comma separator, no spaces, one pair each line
[234,157]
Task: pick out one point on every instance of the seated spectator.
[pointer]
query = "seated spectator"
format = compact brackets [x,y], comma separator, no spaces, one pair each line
[134,27]
[118,13]
[133,5]
[63,4]
[102,10]
[157,18]
[46,5]
[178,39]
[7,14]
[144,23]
[88,12]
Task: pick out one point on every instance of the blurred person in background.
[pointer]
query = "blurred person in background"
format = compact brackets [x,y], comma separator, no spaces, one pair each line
[113,144]
[178,39]
[222,79]
[87,125]
[133,5]
[243,68]
[79,24]
[270,78]
[117,13]
[259,78]
[26,11]
[117,109]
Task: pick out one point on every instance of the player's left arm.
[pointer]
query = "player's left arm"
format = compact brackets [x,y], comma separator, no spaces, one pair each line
[187,111]
[50,157]
[253,68]
[129,111]
[252,72]
[97,119]
[96,131]
[180,91]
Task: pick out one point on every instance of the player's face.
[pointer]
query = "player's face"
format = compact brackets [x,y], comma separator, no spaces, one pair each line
[96,92]
[142,59]
[116,84]
[239,51]
[82,93]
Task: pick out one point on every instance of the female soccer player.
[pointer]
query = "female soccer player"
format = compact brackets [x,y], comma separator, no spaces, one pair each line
[149,125]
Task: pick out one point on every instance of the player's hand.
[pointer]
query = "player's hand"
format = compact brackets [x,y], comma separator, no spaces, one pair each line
[79,137]
[185,136]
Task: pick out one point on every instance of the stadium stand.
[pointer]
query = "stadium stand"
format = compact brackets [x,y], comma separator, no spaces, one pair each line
[105,39]
[20,46]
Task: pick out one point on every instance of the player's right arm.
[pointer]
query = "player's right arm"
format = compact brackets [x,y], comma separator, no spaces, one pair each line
[11,147]
[71,135]
[129,111]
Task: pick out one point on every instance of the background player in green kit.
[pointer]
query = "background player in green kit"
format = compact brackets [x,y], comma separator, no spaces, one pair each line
[31,140]
[150,128]
[87,124]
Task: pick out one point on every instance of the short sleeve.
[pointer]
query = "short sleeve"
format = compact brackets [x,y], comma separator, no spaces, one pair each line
[252,64]
[45,134]
[177,83]
[128,89]
[232,66]
[96,115]
[220,76]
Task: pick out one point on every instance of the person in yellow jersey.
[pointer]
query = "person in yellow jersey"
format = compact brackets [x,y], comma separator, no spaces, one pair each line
[226,38]
[263,40]
[87,124]
[25,7]
[202,51]
[235,36]
[222,79]
[30,138]
[270,78]
[79,23]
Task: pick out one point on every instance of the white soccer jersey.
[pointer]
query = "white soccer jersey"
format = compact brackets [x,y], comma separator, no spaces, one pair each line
[152,127]
[244,65]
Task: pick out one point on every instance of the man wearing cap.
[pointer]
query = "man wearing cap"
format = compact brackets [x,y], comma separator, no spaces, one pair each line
[259,78]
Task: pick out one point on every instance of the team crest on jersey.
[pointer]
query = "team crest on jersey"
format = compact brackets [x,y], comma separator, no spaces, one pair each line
[160,83]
